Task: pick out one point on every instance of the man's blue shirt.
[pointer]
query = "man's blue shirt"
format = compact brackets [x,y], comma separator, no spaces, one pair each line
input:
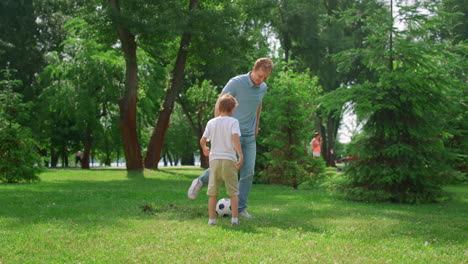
[249,96]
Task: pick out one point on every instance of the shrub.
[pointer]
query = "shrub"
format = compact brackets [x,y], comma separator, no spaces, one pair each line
[19,159]
[287,129]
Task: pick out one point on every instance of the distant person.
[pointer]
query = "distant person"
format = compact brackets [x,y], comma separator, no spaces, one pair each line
[249,90]
[78,156]
[316,144]
[223,132]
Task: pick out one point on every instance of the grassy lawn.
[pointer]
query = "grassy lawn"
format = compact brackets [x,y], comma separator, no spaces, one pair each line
[96,216]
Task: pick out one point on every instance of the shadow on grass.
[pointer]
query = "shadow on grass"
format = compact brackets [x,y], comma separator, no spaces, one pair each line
[183,171]
[318,212]
[102,197]
[93,203]
[136,174]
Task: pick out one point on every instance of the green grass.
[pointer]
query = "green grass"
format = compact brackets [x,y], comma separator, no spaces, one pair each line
[95,216]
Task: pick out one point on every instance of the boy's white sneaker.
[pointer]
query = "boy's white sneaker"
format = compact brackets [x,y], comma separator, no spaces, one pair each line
[194,189]
[245,214]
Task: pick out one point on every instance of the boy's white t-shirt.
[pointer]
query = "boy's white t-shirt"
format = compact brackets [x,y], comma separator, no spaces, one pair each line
[219,132]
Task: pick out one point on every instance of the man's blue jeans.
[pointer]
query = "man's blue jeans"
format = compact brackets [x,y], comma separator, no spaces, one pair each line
[246,173]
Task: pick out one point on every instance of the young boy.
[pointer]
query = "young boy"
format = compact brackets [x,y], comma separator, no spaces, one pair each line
[223,131]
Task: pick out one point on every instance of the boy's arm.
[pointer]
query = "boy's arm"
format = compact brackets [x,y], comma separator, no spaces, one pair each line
[238,148]
[206,149]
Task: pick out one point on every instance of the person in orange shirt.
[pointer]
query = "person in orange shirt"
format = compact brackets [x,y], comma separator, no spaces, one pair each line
[315,145]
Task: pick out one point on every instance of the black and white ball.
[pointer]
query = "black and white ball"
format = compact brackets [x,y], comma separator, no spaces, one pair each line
[223,207]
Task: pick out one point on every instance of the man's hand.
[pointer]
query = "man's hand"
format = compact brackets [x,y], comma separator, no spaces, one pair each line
[240,163]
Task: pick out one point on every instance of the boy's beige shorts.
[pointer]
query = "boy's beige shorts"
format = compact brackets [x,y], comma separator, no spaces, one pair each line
[223,170]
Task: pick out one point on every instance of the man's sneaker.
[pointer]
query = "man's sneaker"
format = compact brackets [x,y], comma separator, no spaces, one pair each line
[194,189]
[246,214]
[234,223]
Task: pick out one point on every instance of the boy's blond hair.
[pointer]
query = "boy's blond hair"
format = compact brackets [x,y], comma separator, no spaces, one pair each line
[265,64]
[226,103]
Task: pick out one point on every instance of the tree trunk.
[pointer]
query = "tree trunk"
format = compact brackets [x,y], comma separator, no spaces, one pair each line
[204,160]
[53,158]
[170,159]
[118,157]
[87,149]
[187,159]
[64,154]
[107,162]
[127,104]
[328,131]
[332,130]
[157,138]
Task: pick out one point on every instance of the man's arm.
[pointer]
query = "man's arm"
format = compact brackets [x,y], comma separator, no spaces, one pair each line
[259,110]
[238,148]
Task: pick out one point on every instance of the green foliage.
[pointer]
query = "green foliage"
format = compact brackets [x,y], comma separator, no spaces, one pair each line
[81,87]
[402,157]
[287,129]
[19,45]
[180,141]
[311,33]
[19,160]
[198,104]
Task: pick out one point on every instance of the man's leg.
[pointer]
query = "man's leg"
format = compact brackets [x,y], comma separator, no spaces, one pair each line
[246,173]
[197,184]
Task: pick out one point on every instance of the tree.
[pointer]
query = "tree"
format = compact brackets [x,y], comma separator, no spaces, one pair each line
[197,105]
[19,42]
[401,154]
[127,104]
[180,141]
[288,108]
[311,33]
[453,18]
[19,159]
[80,87]
[153,154]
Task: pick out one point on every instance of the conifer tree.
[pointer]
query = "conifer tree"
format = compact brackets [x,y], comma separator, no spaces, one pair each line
[401,153]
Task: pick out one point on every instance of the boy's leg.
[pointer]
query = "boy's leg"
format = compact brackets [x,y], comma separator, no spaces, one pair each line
[230,175]
[234,206]
[214,184]
[246,173]
[212,209]
[197,184]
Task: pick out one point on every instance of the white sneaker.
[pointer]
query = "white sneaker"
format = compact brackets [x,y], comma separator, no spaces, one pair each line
[194,189]
[246,214]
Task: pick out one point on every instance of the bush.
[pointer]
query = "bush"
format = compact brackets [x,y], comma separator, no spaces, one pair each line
[287,129]
[294,173]
[19,159]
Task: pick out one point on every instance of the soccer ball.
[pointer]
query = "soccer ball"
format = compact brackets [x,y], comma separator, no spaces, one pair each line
[223,207]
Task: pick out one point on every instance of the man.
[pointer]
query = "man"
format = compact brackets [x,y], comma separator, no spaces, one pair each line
[249,90]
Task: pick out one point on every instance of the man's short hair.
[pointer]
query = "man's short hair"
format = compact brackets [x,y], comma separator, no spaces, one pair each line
[227,103]
[265,64]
